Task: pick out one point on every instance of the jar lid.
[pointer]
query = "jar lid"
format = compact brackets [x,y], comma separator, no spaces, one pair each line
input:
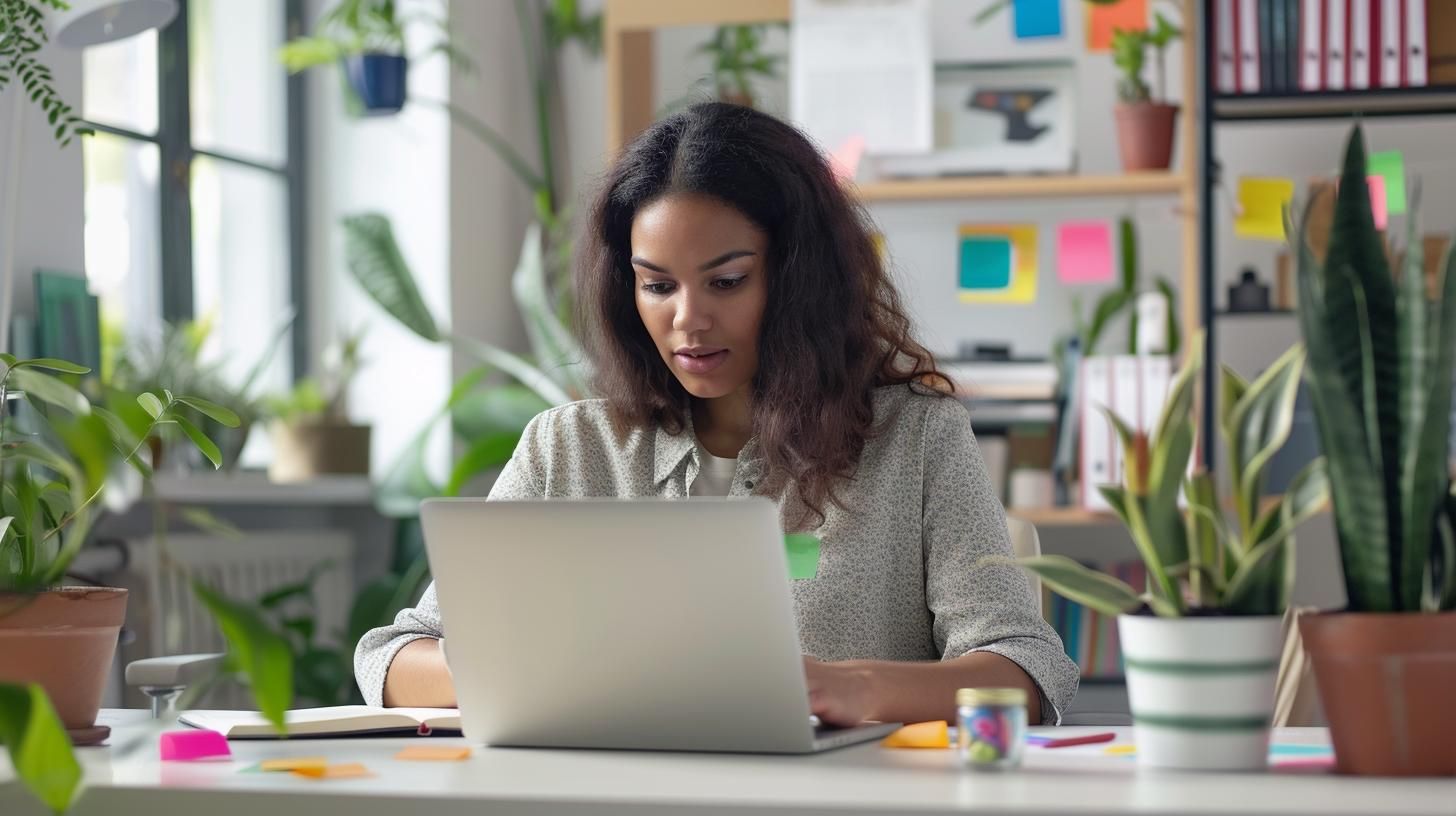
[991,696]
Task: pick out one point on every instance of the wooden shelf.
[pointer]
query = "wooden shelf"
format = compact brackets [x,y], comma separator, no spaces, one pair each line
[1336,104]
[969,187]
[645,15]
[1063,517]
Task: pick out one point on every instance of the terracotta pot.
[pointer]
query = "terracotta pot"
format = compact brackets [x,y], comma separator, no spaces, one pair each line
[1385,681]
[1145,135]
[64,640]
[303,451]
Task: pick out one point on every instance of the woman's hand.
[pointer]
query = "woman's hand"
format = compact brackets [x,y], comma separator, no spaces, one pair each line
[840,694]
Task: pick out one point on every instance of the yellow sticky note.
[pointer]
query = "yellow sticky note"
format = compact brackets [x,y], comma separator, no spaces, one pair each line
[934,734]
[431,752]
[1261,207]
[345,770]
[1120,750]
[295,764]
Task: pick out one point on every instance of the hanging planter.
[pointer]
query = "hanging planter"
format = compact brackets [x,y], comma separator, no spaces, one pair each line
[379,81]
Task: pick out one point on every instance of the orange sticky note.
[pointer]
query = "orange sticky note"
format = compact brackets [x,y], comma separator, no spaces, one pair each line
[295,764]
[442,753]
[1102,21]
[345,770]
[920,735]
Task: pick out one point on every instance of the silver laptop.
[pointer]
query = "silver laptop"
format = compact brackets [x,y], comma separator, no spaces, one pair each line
[647,624]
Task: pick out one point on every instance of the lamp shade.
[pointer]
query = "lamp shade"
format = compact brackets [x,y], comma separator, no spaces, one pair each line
[93,22]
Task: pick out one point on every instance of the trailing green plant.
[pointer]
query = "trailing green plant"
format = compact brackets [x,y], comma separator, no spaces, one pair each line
[324,398]
[1197,561]
[22,35]
[55,468]
[738,57]
[1124,299]
[1130,54]
[1380,375]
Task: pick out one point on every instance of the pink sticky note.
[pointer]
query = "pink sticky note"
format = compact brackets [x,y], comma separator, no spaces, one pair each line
[194,745]
[845,158]
[1084,252]
[1378,203]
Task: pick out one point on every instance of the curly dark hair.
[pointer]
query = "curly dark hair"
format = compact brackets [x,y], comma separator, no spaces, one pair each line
[833,327]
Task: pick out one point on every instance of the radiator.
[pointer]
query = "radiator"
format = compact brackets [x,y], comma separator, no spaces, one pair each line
[168,618]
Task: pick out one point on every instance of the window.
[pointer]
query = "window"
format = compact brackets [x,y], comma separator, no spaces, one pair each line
[193,200]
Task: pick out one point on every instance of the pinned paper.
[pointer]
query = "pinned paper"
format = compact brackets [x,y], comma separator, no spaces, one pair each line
[1037,18]
[803,552]
[443,753]
[1103,20]
[998,263]
[1084,252]
[193,744]
[346,770]
[1261,207]
[845,158]
[1390,165]
[295,764]
[920,735]
[1378,200]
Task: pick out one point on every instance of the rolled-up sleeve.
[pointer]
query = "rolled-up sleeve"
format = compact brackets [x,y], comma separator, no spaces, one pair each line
[978,606]
[519,479]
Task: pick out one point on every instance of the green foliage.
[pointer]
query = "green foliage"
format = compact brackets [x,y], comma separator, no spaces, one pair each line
[349,28]
[23,34]
[1380,377]
[1129,54]
[260,653]
[39,748]
[1197,559]
[738,56]
[1124,300]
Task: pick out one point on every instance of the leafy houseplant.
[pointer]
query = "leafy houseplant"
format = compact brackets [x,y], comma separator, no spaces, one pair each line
[1216,590]
[1145,120]
[1124,299]
[738,56]
[1380,377]
[22,34]
[55,466]
[310,427]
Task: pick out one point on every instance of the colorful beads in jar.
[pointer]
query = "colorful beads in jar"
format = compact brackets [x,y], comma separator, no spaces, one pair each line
[990,727]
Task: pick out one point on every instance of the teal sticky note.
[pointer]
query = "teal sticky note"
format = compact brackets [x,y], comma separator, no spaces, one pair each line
[1390,164]
[1279,750]
[1036,18]
[985,262]
[803,552]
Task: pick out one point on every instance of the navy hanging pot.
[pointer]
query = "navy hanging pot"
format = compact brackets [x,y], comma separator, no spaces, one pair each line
[378,80]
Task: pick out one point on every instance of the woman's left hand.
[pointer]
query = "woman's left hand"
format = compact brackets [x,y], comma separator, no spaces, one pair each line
[840,694]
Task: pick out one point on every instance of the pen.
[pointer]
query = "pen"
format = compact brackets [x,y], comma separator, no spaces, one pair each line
[1064,742]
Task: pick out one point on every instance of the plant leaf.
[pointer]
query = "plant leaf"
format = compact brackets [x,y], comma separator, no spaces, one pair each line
[199,439]
[1261,423]
[557,351]
[260,653]
[153,406]
[50,390]
[495,410]
[52,364]
[524,373]
[38,746]
[1071,580]
[213,411]
[1129,510]
[374,259]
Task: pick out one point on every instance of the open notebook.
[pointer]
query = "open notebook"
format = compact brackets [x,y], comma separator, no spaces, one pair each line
[327,721]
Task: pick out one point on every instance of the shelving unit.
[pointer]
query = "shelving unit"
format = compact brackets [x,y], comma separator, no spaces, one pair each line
[1334,104]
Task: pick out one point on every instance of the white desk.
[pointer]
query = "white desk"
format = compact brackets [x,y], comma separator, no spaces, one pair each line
[861,780]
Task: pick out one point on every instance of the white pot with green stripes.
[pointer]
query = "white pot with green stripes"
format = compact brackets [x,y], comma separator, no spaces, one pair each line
[1201,689]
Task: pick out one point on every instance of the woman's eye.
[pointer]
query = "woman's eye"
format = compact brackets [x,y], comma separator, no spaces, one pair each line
[657,288]
[727,283]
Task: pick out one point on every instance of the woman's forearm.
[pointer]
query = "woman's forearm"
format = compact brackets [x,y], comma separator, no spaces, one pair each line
[418,677]
[918,692]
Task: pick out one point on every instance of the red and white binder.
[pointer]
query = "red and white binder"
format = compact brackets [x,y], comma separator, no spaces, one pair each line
[1312,46]
[1337,45]
[1416,48]
[1361,61]
[1249,56]
[1392,50]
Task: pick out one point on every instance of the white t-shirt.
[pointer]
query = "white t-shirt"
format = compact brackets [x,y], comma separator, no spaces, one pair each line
[716,476]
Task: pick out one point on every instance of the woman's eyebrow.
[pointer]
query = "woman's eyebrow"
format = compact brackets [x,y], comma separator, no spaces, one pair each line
[638,260]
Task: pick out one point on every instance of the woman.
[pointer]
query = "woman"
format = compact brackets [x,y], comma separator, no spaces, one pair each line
[747,339]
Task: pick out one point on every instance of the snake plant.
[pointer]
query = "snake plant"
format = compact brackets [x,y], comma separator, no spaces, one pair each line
[1380,372]
[1197,559]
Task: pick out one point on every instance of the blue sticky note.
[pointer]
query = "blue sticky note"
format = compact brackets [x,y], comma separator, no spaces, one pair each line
[1295,750]
[1037,18]
[985,262]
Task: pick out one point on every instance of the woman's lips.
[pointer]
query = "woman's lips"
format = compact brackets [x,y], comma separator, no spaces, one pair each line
[700,364]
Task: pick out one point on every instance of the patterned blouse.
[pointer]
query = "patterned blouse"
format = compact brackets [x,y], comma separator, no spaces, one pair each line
[898,575]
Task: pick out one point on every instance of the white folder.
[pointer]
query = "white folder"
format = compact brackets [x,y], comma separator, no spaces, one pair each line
[1098,464]
[1392,52]
[1361,60]
[1227,45]
[1126,400]
[1417,51]
[1249,55]
[1336,45]
[1311,43]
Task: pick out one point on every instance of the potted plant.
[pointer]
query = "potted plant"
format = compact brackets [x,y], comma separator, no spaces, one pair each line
[311,431]
[1381,352]
[738,55]
[1201,645]
[1145,120]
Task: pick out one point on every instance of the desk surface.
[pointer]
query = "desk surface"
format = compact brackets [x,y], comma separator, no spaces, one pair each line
[865,779]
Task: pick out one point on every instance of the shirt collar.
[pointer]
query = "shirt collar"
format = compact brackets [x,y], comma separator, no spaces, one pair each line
[669,450]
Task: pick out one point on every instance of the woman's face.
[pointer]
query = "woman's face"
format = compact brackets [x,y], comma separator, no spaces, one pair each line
[699,269]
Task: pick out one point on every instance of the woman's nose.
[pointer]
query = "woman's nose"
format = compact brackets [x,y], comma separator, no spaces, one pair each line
[693,313]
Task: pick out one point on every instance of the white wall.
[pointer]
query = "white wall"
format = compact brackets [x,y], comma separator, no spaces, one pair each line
[398,166]
[49,232]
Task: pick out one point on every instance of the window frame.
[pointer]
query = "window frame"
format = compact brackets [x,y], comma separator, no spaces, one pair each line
[176,154]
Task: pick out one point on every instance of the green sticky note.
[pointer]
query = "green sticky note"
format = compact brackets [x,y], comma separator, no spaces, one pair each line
[1390,165]
[803,555]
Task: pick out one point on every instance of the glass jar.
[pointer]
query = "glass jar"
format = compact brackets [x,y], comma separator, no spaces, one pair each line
[991,727]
